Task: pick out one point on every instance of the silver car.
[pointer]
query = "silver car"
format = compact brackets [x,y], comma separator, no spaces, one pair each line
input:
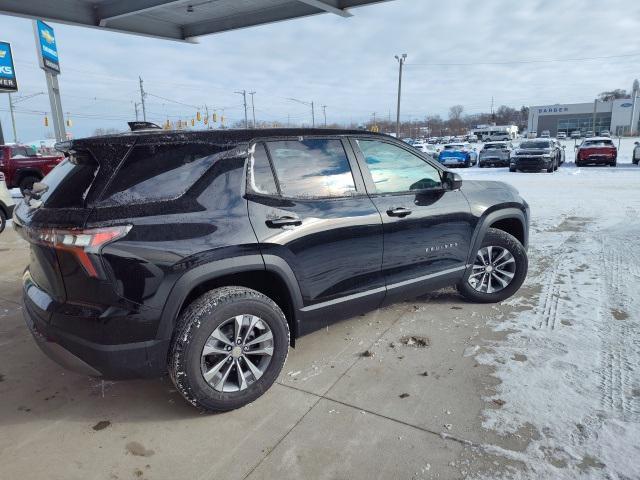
[495,154]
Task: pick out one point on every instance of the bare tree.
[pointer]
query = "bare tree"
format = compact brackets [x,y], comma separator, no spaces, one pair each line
[455,112]
[613,95]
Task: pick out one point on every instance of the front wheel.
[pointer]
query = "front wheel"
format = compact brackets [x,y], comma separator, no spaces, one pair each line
[499,269]
[229,347]
[513,169]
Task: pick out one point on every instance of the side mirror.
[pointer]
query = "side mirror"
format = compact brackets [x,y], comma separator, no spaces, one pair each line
[451,181]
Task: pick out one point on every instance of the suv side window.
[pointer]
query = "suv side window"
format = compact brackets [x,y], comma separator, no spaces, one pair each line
[396,170]
[153,173]
[262,180]
[312,168]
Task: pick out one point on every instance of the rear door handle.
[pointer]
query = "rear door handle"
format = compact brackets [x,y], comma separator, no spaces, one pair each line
[398,212]
[283,222]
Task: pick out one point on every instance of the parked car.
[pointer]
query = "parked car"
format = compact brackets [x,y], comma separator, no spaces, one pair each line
[605,133]
[597,150]
[589,134]
[561,136]
[22,165]
[636,153]
[425,147]
[576,134]
[206,254]
[545,134]
[560,149]
[495,154]
[538,154]
[497,136]
[458,155]
[6,203]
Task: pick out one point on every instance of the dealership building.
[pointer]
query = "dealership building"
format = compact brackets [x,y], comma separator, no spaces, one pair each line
[613,116]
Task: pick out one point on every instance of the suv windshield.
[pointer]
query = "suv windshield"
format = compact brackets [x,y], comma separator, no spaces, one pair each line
[535,145]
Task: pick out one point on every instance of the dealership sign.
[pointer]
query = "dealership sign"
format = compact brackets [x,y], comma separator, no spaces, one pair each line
[553,109]
[48,49]
[626,105]
[8,82]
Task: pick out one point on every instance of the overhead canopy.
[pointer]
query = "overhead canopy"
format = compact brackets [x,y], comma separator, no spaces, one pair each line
[177,19]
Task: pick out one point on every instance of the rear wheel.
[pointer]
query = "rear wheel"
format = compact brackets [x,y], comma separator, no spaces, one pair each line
[614,163]
[229,347]
[513,169]
[3,220]
[499,268]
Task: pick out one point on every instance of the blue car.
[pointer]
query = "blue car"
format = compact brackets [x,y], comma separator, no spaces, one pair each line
[458,155]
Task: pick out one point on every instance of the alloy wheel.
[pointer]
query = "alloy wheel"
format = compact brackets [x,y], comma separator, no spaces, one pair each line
[493,269]
[237,353]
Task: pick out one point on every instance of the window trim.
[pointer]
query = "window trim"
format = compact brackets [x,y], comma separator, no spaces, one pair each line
[366,173]
[354,166]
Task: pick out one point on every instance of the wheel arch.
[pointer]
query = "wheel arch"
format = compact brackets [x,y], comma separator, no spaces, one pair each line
[274,279]
[21,173]
[511,220]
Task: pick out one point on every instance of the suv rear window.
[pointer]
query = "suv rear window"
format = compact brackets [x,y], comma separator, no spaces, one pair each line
[312,168]
[68,184]
[544,144]
[153,173]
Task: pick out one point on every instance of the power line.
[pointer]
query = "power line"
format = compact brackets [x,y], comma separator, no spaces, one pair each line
[515,62]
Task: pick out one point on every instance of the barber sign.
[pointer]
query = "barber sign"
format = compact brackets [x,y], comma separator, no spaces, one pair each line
[8,82]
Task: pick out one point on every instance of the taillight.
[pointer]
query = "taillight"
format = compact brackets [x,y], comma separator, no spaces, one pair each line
[83,244]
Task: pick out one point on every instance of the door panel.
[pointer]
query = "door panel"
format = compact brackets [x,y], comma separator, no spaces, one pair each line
[332,244]
[427,232]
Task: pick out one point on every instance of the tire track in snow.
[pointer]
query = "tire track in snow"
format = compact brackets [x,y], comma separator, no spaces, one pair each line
[620,355]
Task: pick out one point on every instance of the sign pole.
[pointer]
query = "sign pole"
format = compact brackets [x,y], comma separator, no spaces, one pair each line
[50,63]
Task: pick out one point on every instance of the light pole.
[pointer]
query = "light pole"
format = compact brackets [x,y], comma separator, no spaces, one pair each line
[308,104]
[244,96]
[253,108]
[324,112]
[401,59]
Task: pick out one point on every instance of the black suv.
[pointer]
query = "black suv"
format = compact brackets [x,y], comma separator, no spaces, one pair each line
[537,154]
[206,254]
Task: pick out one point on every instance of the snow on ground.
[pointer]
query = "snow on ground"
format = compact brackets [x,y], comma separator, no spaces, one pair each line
[570,365]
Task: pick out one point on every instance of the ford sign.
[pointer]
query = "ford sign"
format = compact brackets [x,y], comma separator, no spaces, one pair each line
[626,105]
[8,82]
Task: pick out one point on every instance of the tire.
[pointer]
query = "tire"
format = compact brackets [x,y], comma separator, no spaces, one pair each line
[3,220]
[27,183]
[614,163]
[519,266]
[552,168]
[195,326]
[512,169]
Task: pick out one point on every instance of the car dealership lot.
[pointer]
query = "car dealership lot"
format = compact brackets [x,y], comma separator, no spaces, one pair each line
[434,388]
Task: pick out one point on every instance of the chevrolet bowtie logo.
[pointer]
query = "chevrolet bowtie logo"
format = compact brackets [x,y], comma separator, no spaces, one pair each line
[47,36]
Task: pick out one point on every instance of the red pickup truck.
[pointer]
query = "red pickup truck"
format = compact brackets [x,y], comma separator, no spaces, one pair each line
[22,166]
[597,150]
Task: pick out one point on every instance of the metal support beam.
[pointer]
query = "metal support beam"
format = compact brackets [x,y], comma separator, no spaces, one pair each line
[343,12]
[124,8]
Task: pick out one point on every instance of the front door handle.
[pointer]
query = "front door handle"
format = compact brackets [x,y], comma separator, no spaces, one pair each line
[283,222]
[398,212]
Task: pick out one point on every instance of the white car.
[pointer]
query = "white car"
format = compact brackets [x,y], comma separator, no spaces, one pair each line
[6,203]
[425,147]
[636,153]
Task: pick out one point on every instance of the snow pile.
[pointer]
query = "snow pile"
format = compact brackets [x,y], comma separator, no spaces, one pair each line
[571,369]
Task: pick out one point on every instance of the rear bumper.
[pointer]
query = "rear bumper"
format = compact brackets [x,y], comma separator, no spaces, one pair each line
[132,360]
[494,162]
[597,160]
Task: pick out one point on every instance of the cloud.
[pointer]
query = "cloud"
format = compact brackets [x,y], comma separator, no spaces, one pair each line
[346,64]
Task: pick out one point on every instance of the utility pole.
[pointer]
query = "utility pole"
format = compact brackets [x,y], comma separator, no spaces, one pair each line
[142,97]
[595,106]
[324,112]
[253,108]
[206,112]
[13,119]
[244,96]
[401,59]
[313,116]
[135,105]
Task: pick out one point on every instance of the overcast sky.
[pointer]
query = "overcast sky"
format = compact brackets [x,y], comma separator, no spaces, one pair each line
[346,64]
